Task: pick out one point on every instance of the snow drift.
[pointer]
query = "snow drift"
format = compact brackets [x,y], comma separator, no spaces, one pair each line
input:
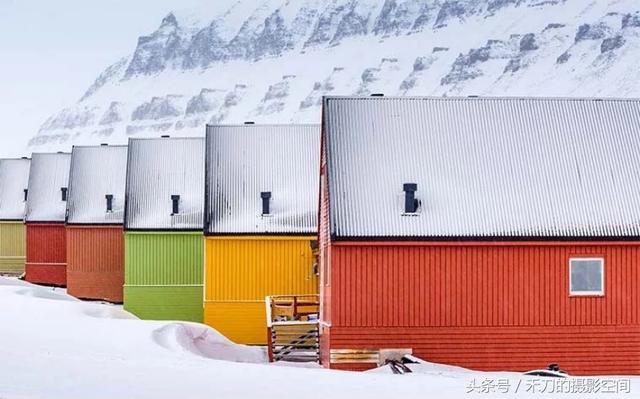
[53,346]
[206,342]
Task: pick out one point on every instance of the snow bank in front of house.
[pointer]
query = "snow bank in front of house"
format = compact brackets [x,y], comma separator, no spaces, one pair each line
[433,369]
[205,341]
[53,346]
[45,294]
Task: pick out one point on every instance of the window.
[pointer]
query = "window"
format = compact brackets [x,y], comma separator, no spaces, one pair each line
[586,276]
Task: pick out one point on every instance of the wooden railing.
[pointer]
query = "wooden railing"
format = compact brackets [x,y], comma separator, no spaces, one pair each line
[292,308]
[292,328]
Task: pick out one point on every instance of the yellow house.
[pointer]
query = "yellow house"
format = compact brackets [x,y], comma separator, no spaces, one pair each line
[14,178]
[261,210]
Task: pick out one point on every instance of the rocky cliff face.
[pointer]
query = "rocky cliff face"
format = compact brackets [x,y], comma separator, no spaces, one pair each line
[273,60]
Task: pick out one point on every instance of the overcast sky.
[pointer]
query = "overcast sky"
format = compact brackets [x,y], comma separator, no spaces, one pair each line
[52,50]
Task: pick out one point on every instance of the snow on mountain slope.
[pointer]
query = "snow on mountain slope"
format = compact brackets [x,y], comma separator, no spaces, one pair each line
[273,60]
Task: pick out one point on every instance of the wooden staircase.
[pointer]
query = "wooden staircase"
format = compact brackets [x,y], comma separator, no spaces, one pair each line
[298,342]
[292,328]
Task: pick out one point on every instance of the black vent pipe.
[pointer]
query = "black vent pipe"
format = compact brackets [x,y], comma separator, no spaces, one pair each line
[109,198]
[64,193]
[266,198]
[175,201]
[410,202]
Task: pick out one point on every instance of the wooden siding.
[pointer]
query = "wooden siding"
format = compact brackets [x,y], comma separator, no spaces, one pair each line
[580,350]
[46,261]
[484,299]
[164,302]
[95,262]
[171,258]
[243,322]
[242,271]
[12,247]
[164,275]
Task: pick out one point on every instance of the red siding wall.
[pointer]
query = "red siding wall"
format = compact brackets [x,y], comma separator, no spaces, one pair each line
[491,306]
[95,267]
[46,254]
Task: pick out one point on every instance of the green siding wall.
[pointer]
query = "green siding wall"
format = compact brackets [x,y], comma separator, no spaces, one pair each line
[165,303]
[12,247]
[164,275]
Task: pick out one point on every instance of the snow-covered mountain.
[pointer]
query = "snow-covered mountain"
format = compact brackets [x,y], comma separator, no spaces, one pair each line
[273,60]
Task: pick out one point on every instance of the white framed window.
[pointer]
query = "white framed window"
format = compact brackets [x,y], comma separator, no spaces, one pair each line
[586,276]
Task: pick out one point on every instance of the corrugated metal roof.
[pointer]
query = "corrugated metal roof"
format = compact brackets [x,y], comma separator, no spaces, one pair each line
[245,160]
[49,173]
[485,167]
[97,171]
[14,179]
[158,169]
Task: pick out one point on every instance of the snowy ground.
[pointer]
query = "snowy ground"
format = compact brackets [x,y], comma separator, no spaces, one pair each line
[53,346]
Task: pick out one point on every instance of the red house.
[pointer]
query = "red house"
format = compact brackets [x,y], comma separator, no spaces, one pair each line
[46,261]
[489,233]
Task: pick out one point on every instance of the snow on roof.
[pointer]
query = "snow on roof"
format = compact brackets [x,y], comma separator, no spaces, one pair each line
[484,167]
[97,171]
[244,161]
[14,179]
[48,178]
[158,169]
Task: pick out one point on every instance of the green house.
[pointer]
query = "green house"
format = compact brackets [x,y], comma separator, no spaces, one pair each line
[163,229]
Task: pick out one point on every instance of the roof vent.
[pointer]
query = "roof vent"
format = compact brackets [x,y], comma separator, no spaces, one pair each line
[473,96]
[266,202]
[25,157]
[26,194]
[165,136]
[104,145]
[109,198]
[249,123]
[175,205]
[411,204]
[64,190]
[60,152]
[377,95]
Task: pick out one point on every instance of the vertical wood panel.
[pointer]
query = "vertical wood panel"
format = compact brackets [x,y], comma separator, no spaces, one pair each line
[248,269]
[242,271]
[478,286]
[164,275]
[46,261]
[580,350]
[491,307]
[95,264]
[164,259]
[12,247]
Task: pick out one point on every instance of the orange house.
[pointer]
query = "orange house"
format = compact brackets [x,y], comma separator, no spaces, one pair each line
[95,214]
[488,233]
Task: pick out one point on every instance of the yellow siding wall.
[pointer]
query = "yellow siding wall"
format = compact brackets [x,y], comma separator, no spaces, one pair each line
[12,247]
[241,271]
